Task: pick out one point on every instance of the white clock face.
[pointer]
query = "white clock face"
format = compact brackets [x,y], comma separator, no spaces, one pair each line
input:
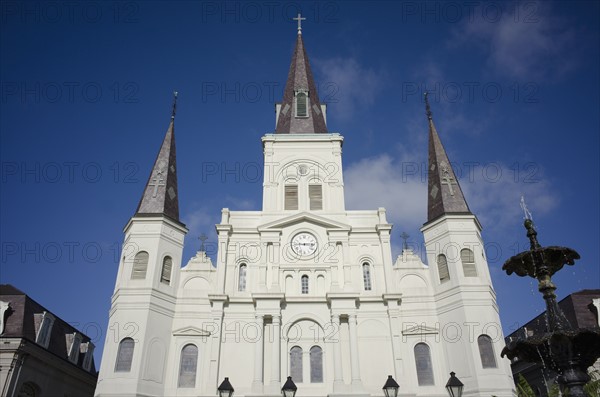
[304,244]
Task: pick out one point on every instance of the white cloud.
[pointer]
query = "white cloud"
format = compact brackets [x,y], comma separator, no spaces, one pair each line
[525,42]
[347,85]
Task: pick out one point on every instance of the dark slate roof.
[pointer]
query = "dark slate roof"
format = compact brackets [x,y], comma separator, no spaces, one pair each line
[300,77]
[21,323]
[444,195]
[160,194]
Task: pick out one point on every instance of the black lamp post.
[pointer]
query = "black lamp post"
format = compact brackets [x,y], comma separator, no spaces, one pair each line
[390,389]
[454,386]
[289,388]
[225,389]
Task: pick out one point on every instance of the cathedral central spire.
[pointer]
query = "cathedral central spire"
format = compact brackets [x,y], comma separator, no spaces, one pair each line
[444,193]
[300,111]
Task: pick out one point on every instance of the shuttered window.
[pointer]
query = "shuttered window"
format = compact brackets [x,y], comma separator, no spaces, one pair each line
[301,105]
[296,364]
[165,276]
[316,364]
[423,362]
[291,197]
[486,351]
[140,265]
[468,261]
[125,355]
[188,366]
[443,268]
[315,194]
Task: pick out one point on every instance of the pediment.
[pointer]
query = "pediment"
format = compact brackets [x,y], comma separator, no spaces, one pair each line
[191,331]
[420,330]
[304,217]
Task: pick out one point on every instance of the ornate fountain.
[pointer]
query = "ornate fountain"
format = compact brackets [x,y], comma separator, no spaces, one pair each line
[562,348]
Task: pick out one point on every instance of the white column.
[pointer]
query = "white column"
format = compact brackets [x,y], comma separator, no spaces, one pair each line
[338,380]
[257,384]
[354,362]
[276,353]
[596,302]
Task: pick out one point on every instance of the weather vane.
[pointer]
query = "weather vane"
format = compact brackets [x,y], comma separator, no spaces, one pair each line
[405,237]
[299,19]
[202,238]
[525,209]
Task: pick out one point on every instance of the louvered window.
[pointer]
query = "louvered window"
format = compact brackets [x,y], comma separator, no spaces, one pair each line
[304,284]
[316,364]
[291,197]
[315,194]
[423,363]
[296,364]
[165,276]
[443,268]
[486,351]
[301,104]
[367,276]
[188,366]
[242,278]
[125,355]
[140,265]
[75,342]
[468,261]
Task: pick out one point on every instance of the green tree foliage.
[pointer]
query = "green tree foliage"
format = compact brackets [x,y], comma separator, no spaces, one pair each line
[523,388]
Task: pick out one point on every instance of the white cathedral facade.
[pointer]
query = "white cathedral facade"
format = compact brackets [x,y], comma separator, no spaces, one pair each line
[303,288]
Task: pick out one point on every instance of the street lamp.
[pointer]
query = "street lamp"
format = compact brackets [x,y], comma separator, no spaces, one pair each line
[289,388]
[390,389]
[454,386]
[225,389]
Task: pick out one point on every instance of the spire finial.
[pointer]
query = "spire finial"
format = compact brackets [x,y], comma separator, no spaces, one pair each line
[525,209]
[202,238]
[174,105]
[427,108]
[405,237]
[299,19]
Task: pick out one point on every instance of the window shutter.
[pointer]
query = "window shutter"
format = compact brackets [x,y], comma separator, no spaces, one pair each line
[165,276]
[301,105]
[291,197]
[468,261]
[443,268]
[140,264]
[315,193]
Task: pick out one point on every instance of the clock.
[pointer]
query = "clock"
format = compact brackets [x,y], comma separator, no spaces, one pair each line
[304,244]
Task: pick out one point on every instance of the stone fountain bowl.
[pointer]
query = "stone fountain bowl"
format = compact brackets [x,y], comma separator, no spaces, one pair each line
[528,263]
[558,349]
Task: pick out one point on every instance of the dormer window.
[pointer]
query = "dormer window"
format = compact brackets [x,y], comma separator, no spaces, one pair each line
[74,340]
[301,103]
[45,330]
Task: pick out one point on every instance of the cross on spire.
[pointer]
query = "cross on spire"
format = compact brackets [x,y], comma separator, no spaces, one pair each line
[525,209]
[157,181]
[299,19]
[447,178]
[427,108]
[202,238]
[174,105]
[405,237]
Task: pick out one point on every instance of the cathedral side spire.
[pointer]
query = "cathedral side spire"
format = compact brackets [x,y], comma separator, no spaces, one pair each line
[160,194]
[300,111]
[444,193]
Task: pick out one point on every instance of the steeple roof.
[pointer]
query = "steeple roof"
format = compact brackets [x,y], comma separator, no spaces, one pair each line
[444,193]
[300,79]
[160,194]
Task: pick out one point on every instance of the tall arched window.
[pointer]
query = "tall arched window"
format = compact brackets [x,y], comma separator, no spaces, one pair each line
[367,276]
[124,355]
[165,276]
[301,104]
[304,284]
[443,268]
[316,364]
[296,363]
[187,366]
[468,261]
[486,351]
[242,278]
[423,362]
[140,265]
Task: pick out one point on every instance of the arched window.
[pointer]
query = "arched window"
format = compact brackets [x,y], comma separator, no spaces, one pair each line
[423,362]
[367,276]
[296,363]
[242,278]
[443,268]
[301,104]
[304,284]
[140,265]
[468,261]
[165,276]
[316,364]
[125,355]
[486,351]
[187,366]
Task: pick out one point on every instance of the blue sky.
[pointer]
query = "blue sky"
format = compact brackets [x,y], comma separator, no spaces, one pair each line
[86,96]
